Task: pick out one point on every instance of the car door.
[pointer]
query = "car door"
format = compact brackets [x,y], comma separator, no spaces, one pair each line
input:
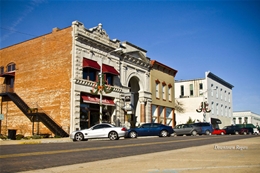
[144,130]
[98,131]
[187,129]
[155,129]
[179,129]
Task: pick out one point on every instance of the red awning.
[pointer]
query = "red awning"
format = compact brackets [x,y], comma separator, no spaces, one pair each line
[90,63]
[95,100]
[7,74]
[109,69]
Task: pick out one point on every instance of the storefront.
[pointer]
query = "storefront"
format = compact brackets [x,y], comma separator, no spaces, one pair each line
[90,110]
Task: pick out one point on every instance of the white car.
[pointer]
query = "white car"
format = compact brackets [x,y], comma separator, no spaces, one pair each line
[103,130]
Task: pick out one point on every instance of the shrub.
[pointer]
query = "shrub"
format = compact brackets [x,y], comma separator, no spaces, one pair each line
[36,137]
[19,136]
[4,137]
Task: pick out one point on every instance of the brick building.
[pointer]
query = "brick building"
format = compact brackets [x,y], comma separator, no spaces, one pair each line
[51,84]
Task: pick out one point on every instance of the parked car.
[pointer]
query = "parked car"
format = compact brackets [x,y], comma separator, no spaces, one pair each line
[186,129]
[206,128]
[234,129]
[218,132]
[251,128]
[103,130]
[150,129]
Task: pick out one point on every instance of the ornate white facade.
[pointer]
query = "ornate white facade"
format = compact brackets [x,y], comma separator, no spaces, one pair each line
[131,63]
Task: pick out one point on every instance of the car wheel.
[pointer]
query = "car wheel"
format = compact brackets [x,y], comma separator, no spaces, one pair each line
[194,133]
[113,135]
[236,133]
[163,133]
[133,134]
[78,137]
[207,132]
[222,133]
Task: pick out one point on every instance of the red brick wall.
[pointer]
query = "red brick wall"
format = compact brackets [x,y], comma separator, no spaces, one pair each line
[42,76]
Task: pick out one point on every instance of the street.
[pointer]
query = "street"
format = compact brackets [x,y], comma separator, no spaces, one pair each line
[15,158]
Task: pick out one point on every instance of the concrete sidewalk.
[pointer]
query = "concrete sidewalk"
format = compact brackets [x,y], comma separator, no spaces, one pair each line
[238,156]
[35,141]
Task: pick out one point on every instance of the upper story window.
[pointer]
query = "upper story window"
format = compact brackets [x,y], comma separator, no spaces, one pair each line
[170,92]
[164,90]
[182,90]
[109,79]
[221,97]
[89,74]
[2,69]
[191,89]
[229,97]
[157,82]
[216,92]
[201,86]
[11,67]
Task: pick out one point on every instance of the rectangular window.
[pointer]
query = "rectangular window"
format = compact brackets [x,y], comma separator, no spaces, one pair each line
[163,92]
[157,90]
[191,89]
[212,107]
[201,86]
[170,94]
[182,90]
[109,79]
[89,74]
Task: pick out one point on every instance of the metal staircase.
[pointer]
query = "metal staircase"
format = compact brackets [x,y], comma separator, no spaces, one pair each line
[42,116]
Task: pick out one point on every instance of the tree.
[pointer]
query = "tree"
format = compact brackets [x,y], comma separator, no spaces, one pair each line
[179,107]
[190,121]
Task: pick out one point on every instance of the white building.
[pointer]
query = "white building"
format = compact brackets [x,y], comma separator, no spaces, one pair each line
[207,99]
[246,117]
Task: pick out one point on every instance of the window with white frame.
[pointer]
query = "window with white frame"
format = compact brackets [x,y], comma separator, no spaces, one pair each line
[170,92]
[163,91]
[212,94]
[217,108]
[225,95]
[221,97]
[157,89]
[229,97]
[216,92]
[212,107]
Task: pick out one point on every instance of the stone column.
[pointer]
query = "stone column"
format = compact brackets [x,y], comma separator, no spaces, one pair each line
[142,110]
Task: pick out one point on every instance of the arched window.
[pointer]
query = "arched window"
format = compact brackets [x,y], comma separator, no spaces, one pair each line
[11,67]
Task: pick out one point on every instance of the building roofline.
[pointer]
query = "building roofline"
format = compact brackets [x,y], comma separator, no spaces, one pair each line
[219,80]
[56,29]
[153,62]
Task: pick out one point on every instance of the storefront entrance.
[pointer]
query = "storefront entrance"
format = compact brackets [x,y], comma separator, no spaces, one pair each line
[89,114]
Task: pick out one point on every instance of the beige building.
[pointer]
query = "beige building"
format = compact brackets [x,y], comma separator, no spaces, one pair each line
[163,97]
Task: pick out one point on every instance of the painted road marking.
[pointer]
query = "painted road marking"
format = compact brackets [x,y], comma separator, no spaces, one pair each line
[93,149]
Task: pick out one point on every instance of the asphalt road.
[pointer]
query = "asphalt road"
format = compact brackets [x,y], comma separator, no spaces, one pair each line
[16,158]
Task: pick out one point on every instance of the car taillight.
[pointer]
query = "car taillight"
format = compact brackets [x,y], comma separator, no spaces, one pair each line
[124,129]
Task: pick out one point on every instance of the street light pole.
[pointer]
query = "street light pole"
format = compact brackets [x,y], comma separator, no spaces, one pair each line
[100,79]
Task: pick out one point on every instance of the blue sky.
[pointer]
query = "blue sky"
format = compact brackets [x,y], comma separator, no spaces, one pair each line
[190,36]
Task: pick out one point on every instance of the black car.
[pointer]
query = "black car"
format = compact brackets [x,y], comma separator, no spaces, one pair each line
[233,130]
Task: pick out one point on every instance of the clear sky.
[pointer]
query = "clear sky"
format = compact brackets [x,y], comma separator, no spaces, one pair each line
[190,36]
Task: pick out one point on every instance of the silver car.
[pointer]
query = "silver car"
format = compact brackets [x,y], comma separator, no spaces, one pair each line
[103,130]
[186,129]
